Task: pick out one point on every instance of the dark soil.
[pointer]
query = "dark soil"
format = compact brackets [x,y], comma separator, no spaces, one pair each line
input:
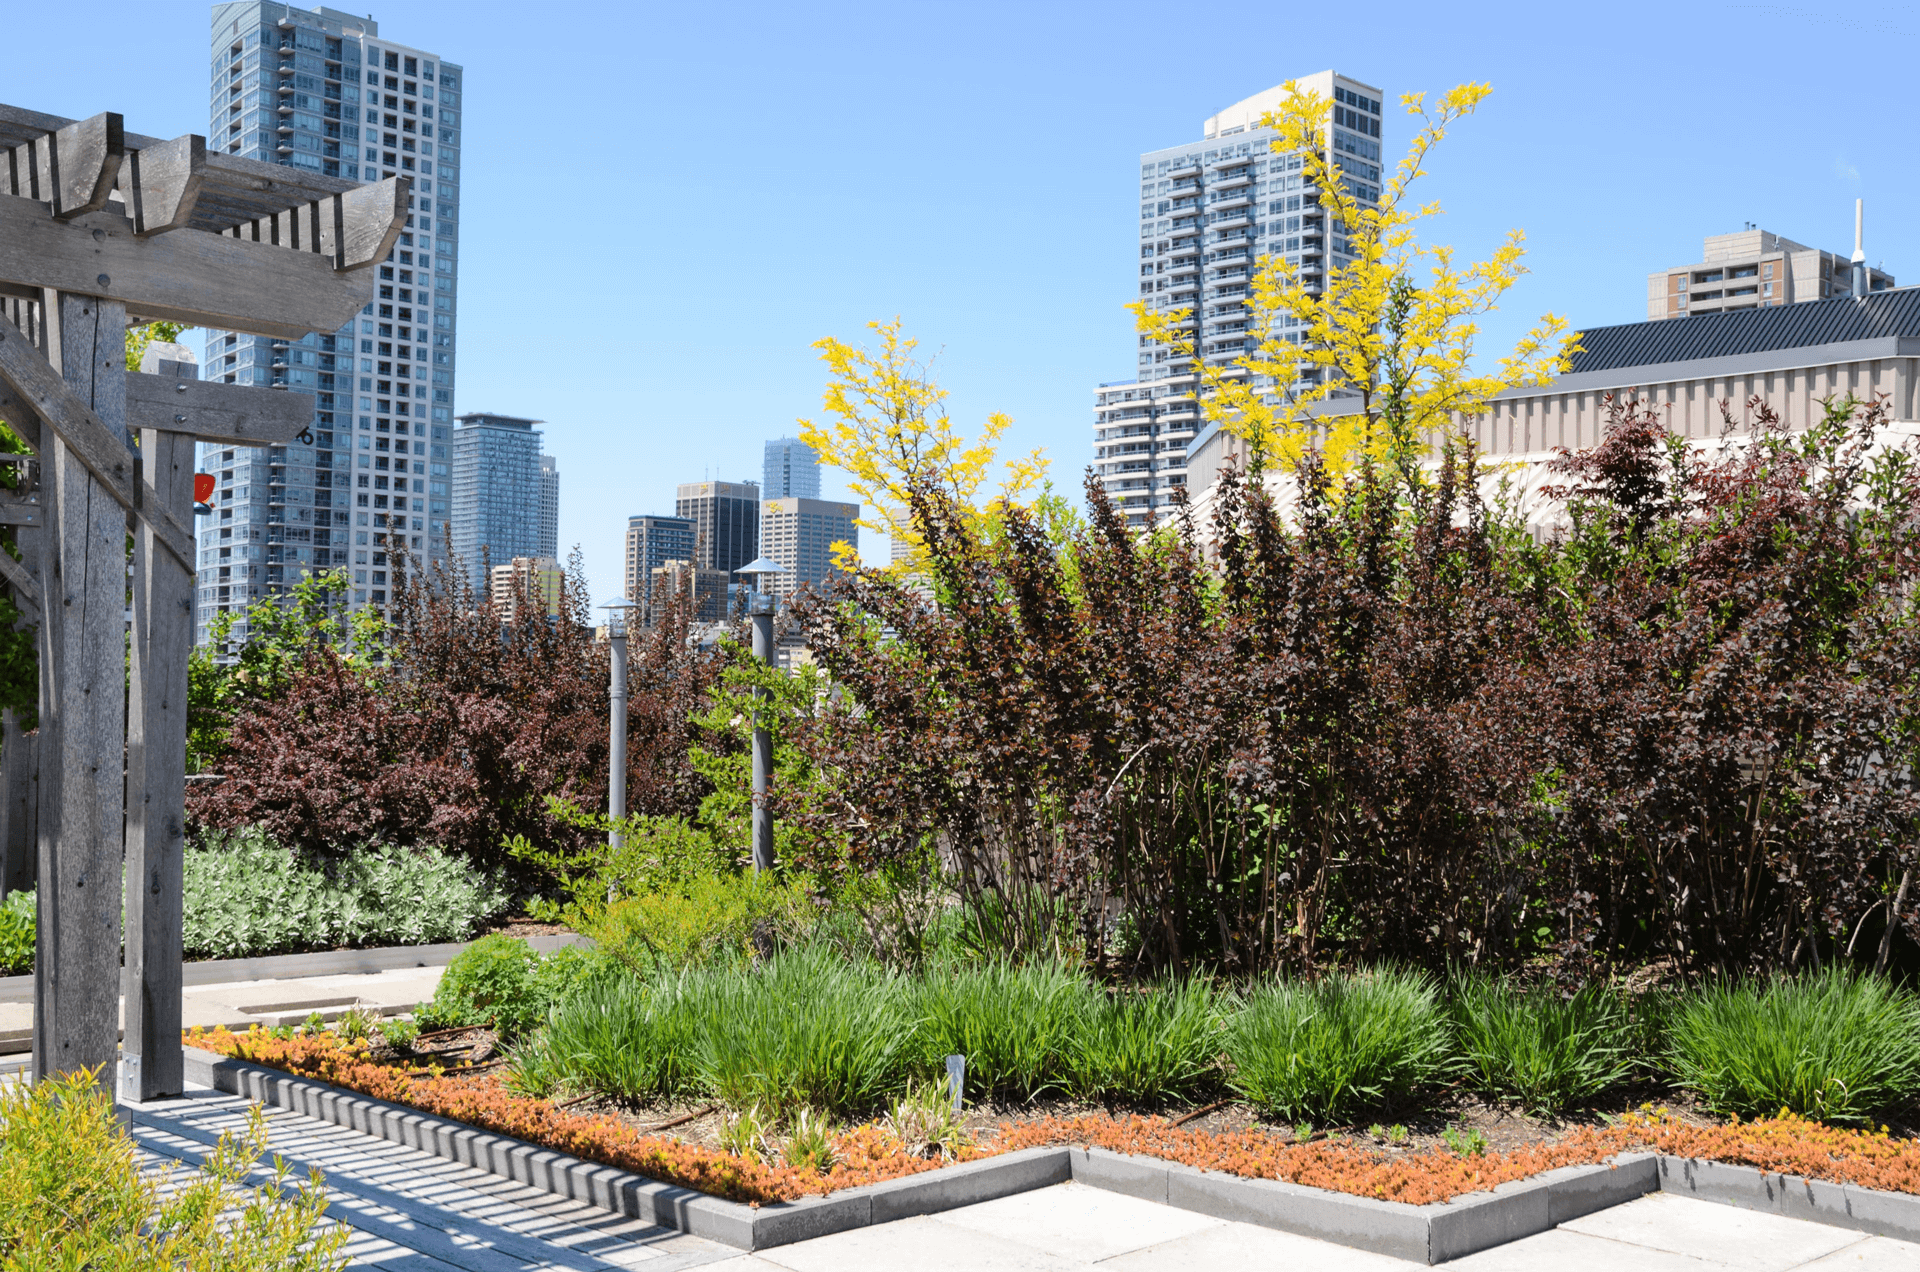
[522,927]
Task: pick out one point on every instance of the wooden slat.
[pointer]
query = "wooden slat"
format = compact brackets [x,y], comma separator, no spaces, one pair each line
[160,185]
[18,510]
[90,441]
[83,160]
[82,713]
[205,280]
[162,640]
[361,226]
[224,414]
[22,583]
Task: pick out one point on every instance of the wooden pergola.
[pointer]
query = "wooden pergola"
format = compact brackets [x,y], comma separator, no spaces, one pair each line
[101,229]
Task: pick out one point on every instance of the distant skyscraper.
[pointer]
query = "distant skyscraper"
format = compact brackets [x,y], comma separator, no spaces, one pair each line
[651,543]
[792,468]
[549,507]
[726,522]
[323,91]
[498,492]
[799,534]
[1209,210]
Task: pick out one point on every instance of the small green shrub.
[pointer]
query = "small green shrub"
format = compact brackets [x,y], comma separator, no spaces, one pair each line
[1014,1024]
[806,1029]
[18,925]
[1465,1141]
[74,1195]
[810,1142]
[1837,1046]
[709,918]
[1537,1048]
[247,895]
[1145,1046]
[502,983]
[1339,1046]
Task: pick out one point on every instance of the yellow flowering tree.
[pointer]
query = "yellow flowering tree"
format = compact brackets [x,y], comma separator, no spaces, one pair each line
[886,426]
[1376,363]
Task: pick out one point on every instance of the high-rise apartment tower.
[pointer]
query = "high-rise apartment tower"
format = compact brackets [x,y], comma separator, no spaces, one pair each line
[1209,210]
[792,468]
[549,507]
[726,522]
[499,493]
[323,91]
[651,543]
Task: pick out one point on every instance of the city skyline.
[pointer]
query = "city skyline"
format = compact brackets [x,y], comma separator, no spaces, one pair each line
[1021,296]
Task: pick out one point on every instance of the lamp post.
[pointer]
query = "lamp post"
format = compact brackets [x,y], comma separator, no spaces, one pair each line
[617,723]
[760,610]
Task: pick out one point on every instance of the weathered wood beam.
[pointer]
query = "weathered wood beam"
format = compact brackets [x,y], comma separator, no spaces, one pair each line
[365,223]
[83,668]
[71,168]
[160,185]
[161,645]
[88,440]
[203,280]
[224,414]
[20,510]
[16,574]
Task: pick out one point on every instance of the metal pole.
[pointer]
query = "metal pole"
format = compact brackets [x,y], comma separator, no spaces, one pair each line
[617,739]
[760,606]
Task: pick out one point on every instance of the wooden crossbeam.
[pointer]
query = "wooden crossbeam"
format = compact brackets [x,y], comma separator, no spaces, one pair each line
[202,280]
[71,168]
[102,454]
[224,414]
[160,184]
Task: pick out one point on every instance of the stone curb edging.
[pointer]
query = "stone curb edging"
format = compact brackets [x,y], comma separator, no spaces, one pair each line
[1427,1234]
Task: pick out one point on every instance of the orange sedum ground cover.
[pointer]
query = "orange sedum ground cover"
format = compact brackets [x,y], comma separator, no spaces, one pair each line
[867,1154]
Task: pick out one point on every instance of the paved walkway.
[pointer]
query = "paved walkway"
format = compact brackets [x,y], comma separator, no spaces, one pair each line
[413,1212]
[1071,1228]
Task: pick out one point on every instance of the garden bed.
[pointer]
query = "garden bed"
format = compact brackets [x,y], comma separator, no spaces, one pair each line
[870,1153]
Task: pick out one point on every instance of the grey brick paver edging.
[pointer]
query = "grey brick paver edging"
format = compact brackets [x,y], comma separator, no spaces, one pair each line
[1421,1234]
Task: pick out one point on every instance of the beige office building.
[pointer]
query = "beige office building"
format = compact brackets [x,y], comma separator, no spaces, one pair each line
[800,534]
[1753,269]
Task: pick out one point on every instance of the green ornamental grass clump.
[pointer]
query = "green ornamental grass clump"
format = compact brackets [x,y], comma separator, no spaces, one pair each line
[619,1035]
[1145,1045]
[1329,1050]
[1015,1023]
[808,1028]
[1545,1051]
[1835,1045]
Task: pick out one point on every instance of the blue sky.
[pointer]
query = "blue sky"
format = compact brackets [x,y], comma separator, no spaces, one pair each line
[664,206]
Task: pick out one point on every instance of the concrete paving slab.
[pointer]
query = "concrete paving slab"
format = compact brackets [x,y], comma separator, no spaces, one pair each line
[1745,1239]
[928,1241]
[1561,1250]
[1875,1254]
[1074,1221]
[1242,1245]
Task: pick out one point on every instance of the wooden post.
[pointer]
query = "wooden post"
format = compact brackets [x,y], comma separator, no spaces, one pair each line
[82,710]
[156,778]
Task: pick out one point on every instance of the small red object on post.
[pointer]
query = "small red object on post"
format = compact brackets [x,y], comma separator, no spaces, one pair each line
[202,487]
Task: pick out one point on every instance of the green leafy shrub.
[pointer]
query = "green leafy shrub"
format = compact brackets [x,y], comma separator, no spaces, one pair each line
[707,918]
[18,925]
[247,895]
[806,1029]
[1336,1047]
[74,1196]
[502,983]
[1015,1024]
[1535,1047]
[1145,1046]
[1836,1045]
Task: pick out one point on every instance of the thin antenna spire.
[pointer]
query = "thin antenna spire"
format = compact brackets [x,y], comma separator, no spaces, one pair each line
[1860,284]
